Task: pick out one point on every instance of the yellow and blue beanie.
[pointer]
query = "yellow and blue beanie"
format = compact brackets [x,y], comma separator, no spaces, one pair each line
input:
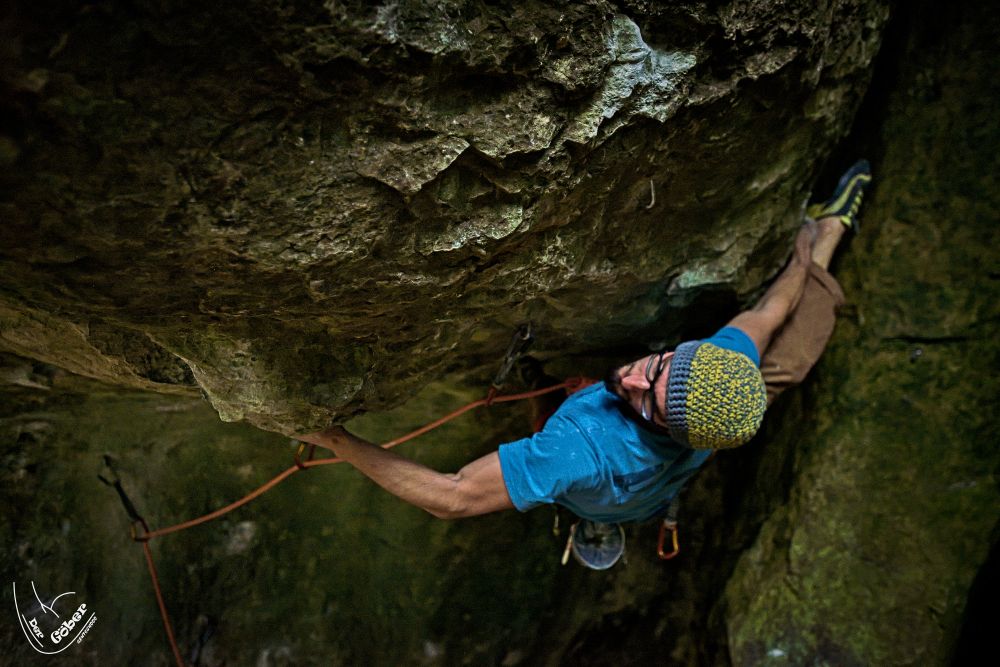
[715,397]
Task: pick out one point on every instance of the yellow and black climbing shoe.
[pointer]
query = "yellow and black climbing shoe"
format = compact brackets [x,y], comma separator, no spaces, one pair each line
[846,199]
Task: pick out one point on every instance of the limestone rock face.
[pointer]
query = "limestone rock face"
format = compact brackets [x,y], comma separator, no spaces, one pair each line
[307,210]
[891,509]
[164,228]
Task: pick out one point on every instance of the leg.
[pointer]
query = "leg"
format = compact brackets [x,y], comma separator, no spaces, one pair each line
[797,346]
[829,231]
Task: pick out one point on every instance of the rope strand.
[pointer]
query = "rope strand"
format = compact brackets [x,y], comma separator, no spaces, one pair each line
[159,600]
[571,385]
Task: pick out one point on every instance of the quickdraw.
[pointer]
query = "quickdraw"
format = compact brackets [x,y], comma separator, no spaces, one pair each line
[519,344]
[140,532]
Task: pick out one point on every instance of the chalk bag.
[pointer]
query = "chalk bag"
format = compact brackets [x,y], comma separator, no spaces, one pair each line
[597,546]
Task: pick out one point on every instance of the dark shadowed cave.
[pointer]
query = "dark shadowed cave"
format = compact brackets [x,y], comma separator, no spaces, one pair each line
[296,212]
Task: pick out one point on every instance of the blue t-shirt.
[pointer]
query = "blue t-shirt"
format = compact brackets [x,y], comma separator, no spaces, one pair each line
[594,459]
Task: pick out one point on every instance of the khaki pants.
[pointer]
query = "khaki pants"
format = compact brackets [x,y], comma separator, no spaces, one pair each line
[797,346]
[793,351]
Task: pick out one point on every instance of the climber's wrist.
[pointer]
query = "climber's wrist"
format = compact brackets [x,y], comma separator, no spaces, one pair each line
[328,438]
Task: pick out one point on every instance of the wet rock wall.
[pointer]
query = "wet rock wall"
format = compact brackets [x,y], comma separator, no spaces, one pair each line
[850,532]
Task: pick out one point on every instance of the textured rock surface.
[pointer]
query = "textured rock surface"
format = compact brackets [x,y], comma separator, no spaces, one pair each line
[325,570]
[848,533]
[893,505]
[309,210]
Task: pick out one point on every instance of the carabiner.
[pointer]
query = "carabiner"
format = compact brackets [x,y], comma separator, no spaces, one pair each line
[569,544]
[298,455]
[518,346]
[136,537]
[664,527]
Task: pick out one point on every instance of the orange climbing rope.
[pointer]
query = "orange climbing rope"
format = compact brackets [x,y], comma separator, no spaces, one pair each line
[145,535]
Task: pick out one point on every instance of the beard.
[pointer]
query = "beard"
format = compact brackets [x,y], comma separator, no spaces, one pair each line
[613,381]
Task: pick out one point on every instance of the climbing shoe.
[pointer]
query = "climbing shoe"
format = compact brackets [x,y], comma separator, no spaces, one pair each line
[846,199]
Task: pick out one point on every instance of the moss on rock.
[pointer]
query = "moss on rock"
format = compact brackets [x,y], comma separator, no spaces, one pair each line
[892,508]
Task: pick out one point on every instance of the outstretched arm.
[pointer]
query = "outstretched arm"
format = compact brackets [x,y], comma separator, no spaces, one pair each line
[478,488]
[769,314]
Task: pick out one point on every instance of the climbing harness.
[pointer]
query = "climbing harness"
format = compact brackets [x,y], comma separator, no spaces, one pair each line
[141,533]
[598,546]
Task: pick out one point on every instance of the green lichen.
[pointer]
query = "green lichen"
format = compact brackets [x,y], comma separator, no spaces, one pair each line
[892,508]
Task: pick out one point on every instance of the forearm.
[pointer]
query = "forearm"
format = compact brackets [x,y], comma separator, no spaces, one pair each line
[413,482]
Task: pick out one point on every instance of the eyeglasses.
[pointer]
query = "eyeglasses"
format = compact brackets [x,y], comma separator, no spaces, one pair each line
[653,373]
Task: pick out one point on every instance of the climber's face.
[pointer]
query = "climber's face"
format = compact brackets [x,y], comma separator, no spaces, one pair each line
[643,385]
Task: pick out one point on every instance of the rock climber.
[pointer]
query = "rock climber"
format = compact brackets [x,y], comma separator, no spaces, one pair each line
[621,450]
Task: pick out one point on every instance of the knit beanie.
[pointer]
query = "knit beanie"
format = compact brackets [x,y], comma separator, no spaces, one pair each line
[715,397]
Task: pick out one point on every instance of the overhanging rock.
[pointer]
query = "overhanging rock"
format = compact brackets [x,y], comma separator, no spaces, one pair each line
[310,210]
